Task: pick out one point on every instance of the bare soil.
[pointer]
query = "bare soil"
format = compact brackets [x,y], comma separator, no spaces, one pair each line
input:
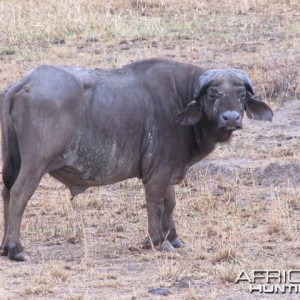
[239,209]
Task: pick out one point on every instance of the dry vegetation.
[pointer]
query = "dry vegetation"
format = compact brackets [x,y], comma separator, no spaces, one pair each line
[238,210]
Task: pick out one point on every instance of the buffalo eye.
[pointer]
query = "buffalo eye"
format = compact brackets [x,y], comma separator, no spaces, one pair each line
[242,98]
[213,94]
[241,93]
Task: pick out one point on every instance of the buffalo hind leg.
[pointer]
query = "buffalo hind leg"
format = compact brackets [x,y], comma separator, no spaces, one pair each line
[168,225]
[5,197]
[20,193]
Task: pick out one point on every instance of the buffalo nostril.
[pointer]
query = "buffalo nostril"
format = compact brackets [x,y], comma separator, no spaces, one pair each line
[224,117]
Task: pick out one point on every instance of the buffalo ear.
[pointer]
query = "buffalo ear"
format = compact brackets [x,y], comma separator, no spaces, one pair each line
[258,110]
[190,115]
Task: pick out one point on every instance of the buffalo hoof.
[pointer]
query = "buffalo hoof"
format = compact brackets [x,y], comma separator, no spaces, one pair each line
[15,254]
[22,256]
[147,244]
[167,246]
[176,243]
[3,251]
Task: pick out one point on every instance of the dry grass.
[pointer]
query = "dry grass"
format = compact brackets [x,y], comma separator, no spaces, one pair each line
[253,35]
[90,248]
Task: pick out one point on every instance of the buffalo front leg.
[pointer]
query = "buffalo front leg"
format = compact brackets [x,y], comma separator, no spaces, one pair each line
[5,197]
[20,193]
[168,225]
[155,191]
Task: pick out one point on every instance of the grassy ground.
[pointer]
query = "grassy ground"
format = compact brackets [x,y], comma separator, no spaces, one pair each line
[239,210]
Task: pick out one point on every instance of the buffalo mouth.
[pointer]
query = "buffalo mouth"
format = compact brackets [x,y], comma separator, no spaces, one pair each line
[231,127]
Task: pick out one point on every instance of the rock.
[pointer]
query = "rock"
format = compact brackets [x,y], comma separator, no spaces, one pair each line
[159,291]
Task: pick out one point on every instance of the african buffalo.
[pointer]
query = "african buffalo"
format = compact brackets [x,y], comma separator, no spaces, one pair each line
[151,119]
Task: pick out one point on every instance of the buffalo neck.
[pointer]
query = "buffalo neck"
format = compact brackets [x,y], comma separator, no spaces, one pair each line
[206,136]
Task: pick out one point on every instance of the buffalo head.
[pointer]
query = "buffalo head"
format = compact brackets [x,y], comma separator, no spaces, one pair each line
[223,96]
